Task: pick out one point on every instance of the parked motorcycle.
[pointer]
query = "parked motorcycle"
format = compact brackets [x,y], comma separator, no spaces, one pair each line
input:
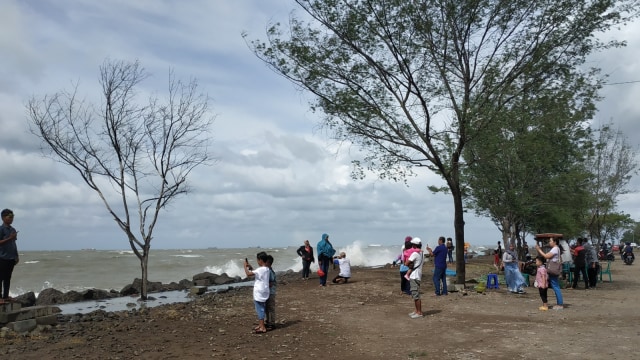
[530,268]
[608,256]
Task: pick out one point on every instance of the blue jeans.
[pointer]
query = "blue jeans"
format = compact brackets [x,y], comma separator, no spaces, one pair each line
[555,285]
[439,275]
[324,265]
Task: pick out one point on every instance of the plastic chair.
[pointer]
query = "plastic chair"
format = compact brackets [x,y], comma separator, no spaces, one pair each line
[566,269]
[526,278]
[606,271]
[492,281]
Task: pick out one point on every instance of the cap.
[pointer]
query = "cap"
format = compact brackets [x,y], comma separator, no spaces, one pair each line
[416,240]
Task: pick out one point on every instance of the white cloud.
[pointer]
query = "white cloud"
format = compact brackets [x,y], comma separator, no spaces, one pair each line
[278,180]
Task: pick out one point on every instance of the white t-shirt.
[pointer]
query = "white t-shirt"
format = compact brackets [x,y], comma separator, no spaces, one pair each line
[416,258]
[345,267]
[261,284]
[556,254]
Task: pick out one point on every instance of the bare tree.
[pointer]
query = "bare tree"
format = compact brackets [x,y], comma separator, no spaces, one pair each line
[135,157]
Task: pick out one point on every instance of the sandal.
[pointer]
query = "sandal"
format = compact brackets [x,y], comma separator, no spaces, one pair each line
[259,331]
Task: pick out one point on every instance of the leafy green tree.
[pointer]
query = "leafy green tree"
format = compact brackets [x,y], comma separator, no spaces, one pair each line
[612,163]
[135,156]
[414,82]
[527,174]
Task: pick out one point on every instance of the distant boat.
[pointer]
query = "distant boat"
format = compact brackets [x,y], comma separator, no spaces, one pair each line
[375,245]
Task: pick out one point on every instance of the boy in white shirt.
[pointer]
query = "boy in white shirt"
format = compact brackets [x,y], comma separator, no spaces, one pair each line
[260,289]
[415,262]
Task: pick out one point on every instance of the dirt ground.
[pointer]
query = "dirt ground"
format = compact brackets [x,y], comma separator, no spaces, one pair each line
[364,319]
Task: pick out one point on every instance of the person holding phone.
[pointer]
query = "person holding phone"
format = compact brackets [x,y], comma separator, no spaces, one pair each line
[8,252]
[260,289]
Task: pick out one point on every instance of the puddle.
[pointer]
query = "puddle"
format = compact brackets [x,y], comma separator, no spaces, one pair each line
[129,303]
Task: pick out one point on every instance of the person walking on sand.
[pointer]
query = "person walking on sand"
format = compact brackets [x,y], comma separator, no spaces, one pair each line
[415,262]
[325,258]
[553,255]
[8,252]
[440,266]
[260,289]
[306,253]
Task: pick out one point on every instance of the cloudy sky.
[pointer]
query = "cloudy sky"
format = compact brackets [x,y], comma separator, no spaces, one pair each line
[278,180]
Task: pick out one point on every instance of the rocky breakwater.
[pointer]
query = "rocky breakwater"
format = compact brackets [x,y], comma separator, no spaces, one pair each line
[27,313]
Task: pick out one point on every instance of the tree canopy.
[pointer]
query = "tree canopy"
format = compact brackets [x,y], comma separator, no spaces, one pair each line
[415,82]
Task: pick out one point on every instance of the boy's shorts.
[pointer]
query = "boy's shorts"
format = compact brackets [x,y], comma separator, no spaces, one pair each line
[260,309]
[415,289]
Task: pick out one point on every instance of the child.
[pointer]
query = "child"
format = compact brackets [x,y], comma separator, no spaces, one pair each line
[271,302]
[260,289]
[542,281]
[407,254]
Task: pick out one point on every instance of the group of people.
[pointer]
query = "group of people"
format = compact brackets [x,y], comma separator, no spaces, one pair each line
[264,291]
[585,262]
[264,286]
[326,257]
[411,260]
[8,253]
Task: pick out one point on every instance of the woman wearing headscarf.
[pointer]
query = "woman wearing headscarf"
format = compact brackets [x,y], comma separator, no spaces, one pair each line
[306,253]
[514,279]
[553,255]
[325,257]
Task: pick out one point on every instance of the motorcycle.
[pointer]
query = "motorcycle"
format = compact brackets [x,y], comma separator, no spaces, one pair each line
[608,256]
[628,258]
[530,268]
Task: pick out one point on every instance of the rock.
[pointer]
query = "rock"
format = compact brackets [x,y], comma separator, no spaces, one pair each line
[27,299]
[49,297]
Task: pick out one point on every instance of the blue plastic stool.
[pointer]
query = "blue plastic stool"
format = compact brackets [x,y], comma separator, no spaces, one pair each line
[492,281]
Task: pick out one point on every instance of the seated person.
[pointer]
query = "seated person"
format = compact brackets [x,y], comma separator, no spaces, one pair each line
[345,268]
[628,250]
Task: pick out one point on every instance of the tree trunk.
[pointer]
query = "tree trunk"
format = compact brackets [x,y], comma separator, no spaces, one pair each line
[458,225]
[144,267]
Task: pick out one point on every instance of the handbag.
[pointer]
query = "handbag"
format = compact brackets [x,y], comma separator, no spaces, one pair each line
[321,273]
[554,268]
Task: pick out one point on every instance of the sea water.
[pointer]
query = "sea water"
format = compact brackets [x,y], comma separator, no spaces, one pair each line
[113,269]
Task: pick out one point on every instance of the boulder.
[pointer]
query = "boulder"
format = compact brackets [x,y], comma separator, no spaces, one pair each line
[49,297]
[27,299]
[136,286]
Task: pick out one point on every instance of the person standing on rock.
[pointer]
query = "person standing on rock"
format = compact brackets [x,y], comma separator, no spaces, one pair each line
[8,252]
[306,253]
[325,258]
